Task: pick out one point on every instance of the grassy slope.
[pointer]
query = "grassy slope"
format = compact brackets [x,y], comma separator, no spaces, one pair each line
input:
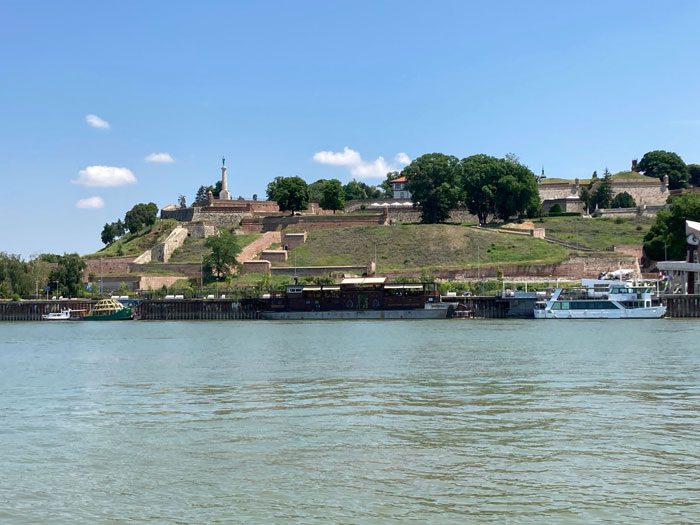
[597,233]
[405,247]
[135,244]
[191,251]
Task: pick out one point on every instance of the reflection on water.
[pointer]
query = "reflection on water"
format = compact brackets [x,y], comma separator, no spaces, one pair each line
[350,422]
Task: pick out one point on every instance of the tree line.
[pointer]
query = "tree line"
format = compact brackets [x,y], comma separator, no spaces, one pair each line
[138,217]
[57,274]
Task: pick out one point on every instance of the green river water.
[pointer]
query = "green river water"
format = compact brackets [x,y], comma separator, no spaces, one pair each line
[350,422]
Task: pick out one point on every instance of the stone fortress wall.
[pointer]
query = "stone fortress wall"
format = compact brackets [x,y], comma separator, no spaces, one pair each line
[650,192]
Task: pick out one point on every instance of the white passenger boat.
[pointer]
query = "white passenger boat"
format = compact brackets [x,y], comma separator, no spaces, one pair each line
[63,315]
[600,299]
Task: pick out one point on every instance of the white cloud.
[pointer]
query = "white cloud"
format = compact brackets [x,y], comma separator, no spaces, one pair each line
[347,157]
[163,158]
[97,122]
[360,168]
[105,176]
[90,203]
[402,158]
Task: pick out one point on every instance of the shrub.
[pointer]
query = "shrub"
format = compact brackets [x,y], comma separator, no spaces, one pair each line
[556,209]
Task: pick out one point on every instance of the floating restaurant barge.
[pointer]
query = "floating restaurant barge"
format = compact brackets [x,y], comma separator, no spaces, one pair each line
[358,298]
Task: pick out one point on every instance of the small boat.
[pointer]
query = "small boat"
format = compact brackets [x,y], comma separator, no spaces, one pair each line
[109,310]
[63,315]
[601,299]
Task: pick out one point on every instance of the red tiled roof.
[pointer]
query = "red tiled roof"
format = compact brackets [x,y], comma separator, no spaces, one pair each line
[399,179]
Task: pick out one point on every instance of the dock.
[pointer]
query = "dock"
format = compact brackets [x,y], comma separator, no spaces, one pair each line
[479,307]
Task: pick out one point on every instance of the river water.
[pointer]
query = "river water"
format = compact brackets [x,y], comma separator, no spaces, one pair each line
[350,422]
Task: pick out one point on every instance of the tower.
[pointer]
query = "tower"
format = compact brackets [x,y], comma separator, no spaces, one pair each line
[224,195]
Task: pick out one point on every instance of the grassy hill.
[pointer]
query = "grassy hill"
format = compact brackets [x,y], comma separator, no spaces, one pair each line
[416,247]
[429,247]
[192,249]
[597,233]
[137,243]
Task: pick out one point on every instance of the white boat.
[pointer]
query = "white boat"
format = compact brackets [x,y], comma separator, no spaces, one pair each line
[601,299]
[63,315]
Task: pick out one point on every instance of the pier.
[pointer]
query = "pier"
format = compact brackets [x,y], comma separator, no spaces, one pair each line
[484,307]
[196,309]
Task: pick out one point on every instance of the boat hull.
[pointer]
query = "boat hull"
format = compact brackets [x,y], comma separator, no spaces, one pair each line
[655,312]
[121,315]
[418,313]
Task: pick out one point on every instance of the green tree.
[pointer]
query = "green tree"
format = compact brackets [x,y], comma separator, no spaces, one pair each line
[333,197]
[108,234]
[140,216]
[224,250]
[316,190]
[355,190]
[119,228]
[598,193]
[517,192]
[479,182]
[201,197]
[623,200]
[667,234]
[15,278]
[694,174]
[291,193]
[604,192]
[660,163]
[433,180]
[68,274]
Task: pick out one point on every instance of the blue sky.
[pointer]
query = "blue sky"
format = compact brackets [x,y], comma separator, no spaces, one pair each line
[89,90]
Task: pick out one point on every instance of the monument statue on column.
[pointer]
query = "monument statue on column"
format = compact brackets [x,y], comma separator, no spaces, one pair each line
[224,194]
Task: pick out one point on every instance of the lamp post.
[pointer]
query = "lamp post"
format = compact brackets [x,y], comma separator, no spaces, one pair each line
[375,259]
[665,252]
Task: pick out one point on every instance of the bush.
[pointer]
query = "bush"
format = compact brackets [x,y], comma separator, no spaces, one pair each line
[623,200]
[556,209]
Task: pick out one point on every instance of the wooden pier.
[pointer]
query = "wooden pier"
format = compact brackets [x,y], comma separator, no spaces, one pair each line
[33,310]
[488,307]
[682,306]
[196,309]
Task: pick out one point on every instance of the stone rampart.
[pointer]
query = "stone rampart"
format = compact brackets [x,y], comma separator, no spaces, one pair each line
[309,222]
[107,265]
[292,239]
[650,192]
[302,271]
[190,270]
[156,282]
[201,230]
[256,266]
[574,268]
[274,255]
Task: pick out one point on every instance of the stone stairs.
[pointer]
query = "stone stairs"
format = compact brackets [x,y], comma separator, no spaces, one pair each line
[252,250]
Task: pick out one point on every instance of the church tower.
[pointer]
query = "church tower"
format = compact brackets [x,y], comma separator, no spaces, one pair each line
[224,195]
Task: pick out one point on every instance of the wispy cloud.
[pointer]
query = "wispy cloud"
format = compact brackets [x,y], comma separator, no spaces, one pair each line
[90,203]
[105,176]
[360,168]
[163,158]
[97,122]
